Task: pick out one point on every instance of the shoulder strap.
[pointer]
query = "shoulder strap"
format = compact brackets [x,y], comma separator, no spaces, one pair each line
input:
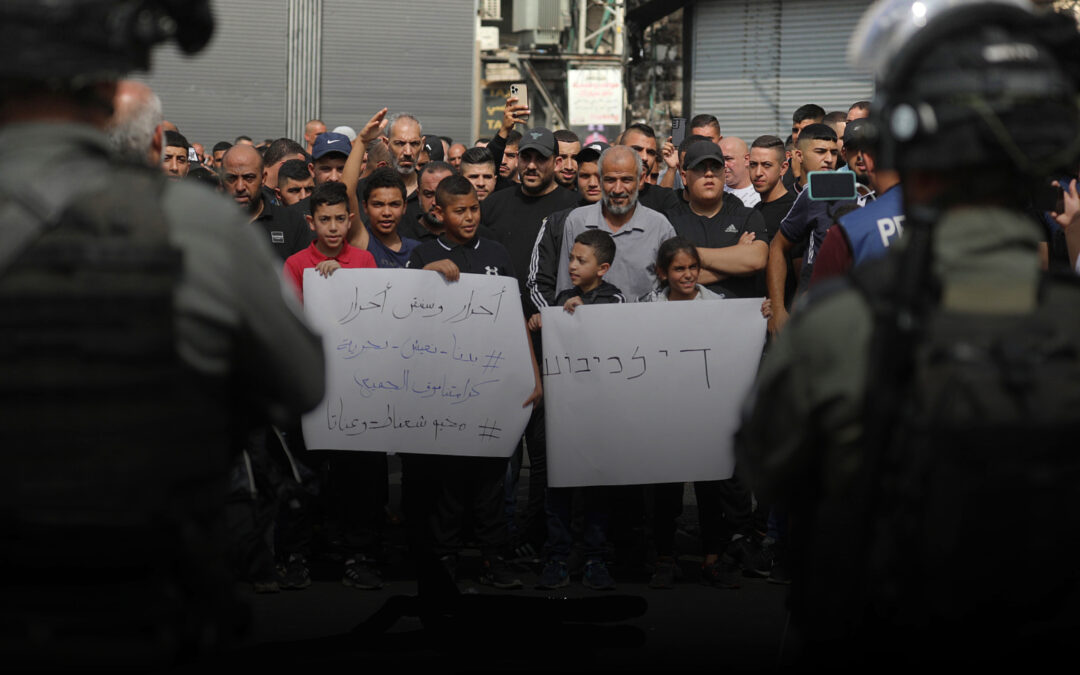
[29,207]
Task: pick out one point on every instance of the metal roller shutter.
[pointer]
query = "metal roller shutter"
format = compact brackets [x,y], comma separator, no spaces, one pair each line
[367,45]
[813,56]
[736,62]
[234,86]
[755,61]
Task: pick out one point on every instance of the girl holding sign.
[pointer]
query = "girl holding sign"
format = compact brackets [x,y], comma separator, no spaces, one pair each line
[720,513]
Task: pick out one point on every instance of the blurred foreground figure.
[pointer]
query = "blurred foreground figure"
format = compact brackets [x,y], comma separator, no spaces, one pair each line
[137,315]
[920,419]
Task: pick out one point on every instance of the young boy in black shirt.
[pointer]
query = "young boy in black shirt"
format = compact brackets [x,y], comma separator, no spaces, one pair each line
[439,489]
[590,259]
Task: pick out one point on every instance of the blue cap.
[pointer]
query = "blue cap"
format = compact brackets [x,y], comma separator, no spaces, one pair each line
[328,142]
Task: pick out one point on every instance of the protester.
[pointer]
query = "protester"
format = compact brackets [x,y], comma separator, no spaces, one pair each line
[454,485]
[590,259]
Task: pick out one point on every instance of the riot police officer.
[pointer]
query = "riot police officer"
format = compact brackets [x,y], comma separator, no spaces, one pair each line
[141,321]
[926,443]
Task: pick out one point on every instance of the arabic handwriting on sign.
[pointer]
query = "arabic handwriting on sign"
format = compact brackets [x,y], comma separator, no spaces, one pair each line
[376,301]
[474,308]
[417,348]
[426,309]
[447,424]
[459,354]
[338,420]
[466,392]
[369,386]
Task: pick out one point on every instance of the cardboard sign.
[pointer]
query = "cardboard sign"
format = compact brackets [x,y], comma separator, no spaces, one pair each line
[417,364]
[647,392]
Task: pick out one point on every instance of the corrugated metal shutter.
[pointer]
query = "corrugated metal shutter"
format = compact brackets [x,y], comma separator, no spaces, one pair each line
[813,56]
[368,46]
[234,86]
[736,63]
[755,61]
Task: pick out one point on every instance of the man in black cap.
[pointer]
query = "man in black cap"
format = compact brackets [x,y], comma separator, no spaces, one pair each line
[730,237]
[514,215]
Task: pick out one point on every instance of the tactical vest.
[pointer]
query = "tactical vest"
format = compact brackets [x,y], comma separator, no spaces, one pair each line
[974,514]
[115,453]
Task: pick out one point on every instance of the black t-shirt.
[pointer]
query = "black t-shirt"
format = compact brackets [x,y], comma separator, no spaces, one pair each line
[773,212]
[661,199]
[286,228]
[412,207]
[479,256]
[720,231]
[515,217]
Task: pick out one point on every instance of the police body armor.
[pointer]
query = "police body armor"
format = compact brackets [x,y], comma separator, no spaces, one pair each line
[114,452]
[973,518]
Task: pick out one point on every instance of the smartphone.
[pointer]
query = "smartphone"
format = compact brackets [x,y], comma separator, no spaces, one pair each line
[832,185]
[678,131]
[1049,198]
[521,91]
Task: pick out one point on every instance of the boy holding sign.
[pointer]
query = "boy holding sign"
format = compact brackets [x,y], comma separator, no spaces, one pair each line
[329,219]
[440,488]
[590,259]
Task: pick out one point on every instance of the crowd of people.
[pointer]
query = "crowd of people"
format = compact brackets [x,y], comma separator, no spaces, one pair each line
[637,220]
[912,423]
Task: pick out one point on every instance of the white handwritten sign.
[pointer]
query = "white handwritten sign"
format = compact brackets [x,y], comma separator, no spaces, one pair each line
[647,392]
[416,364]
[595,96]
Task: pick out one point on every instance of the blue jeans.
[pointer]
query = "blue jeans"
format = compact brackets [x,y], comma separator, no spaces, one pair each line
[560,538]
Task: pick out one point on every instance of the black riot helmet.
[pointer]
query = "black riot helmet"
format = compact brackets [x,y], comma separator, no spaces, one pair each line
[71,43]
[971,83]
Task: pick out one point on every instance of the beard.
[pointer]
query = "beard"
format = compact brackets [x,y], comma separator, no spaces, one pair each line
[539,189]
[431,221]
[619,209]
[402,170]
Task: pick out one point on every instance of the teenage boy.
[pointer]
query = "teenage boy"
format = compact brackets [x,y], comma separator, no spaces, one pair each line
[328,157]
[590,259]
[355,478]
[384,203]
[768,163]
[329,220]
[729,236]
[807,221]
[440,488]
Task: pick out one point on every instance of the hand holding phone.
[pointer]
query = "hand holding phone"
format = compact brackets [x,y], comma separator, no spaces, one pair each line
[678,131]
[520,91]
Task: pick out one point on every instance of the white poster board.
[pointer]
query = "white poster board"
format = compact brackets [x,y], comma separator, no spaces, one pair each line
[647,392]
[595,96]
[417,364]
